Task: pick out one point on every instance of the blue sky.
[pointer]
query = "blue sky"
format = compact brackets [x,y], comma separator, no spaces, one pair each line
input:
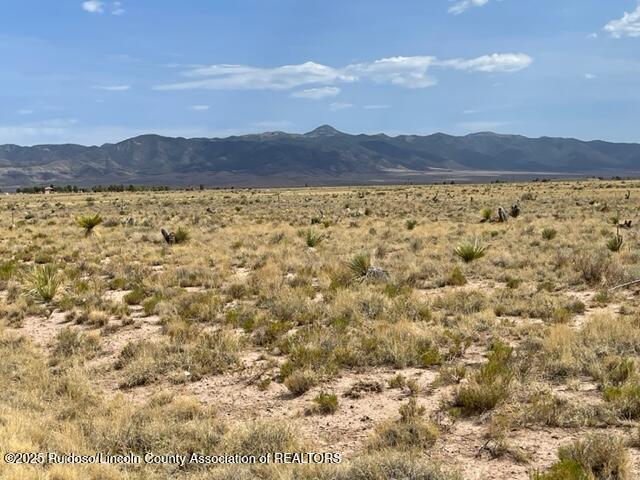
[101,71]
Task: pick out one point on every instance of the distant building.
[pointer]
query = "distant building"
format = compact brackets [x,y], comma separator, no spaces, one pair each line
[48,190]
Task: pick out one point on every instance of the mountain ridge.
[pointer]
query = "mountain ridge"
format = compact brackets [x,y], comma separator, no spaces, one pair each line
[323,155]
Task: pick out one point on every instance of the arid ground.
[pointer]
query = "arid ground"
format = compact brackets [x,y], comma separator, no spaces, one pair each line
[406,328]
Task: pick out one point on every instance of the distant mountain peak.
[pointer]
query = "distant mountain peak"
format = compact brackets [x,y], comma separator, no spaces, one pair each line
[323,131]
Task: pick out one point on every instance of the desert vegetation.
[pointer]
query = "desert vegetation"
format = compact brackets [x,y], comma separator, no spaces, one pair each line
[443,332]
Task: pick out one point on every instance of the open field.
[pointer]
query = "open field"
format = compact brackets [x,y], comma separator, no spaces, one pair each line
[325,320]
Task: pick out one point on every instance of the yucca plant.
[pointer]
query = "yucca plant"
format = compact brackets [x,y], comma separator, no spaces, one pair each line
[411,224]
[45,281]
[89,222]
[486,214]
[181,235]
[470,251]
[615,243]
[359,265]
[312,238]
[549,233]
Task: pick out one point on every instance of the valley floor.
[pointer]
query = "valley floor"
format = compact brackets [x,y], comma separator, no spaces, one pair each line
[405,328]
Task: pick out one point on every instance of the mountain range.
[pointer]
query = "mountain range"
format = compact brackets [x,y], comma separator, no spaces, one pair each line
[323,156]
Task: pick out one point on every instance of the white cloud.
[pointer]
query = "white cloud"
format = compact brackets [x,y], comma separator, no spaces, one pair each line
[117,9]
[376,107]
[317,93]
[627,26]
[242,77]
[93,6]
[589,76]
[498,62]
[462,6]
[25,111]
[406,72]
[409,72]
[200,108]
[113,88]
[335,106]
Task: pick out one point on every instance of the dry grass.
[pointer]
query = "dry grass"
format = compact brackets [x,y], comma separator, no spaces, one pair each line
[496,341]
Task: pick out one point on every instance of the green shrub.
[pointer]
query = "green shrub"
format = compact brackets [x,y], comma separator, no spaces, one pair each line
[325,404]
[456,278]
[411,431]
[300,381]
[490,385]
[597,457]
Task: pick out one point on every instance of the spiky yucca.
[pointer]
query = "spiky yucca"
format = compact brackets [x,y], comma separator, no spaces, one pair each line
[486,214]
[89,222]
[45,281]
[549,233]
[312,238]
[615,243]
[470,251]
[181,235]
[359,265]
[411,224]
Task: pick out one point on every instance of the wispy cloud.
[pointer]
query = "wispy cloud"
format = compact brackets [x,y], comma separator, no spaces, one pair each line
[496,63]
[242,77]
[589,76]
[97,6]
[627,26]
[113,88]
[317,93]
[336,106]
[117,9]
[200,108]
[376,107]
[462,6]
[407,72]
[93,6]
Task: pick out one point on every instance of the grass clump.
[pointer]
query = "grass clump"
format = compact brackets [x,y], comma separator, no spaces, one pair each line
[391,465]
[410,431]
[300,382]
[88,223]
[597,457]
[456,278]
[490,385]
[470,251]
[325,404]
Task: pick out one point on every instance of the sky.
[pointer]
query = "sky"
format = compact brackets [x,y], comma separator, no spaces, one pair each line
[99,71]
